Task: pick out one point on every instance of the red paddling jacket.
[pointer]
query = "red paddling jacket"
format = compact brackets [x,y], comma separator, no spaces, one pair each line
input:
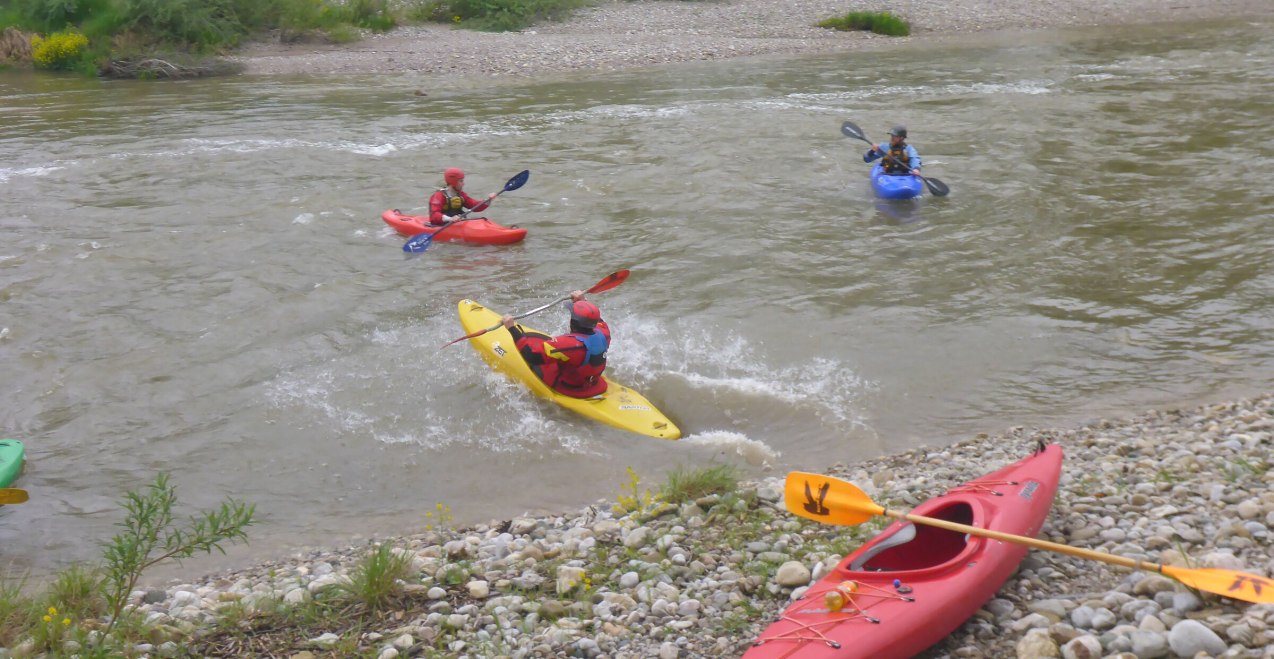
[571,364]
[444,204]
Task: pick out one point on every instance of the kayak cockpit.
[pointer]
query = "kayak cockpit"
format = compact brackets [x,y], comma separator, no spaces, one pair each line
[915,546]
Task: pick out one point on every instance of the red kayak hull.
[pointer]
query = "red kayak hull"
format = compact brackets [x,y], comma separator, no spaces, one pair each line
[950,575]
[479,231]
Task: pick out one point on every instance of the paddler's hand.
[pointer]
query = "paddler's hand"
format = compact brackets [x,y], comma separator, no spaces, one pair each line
[576,296]
[492,196]
[507,321]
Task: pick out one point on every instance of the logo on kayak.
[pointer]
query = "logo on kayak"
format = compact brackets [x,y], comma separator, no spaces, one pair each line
[495,347]
[634,407]
[1029,491]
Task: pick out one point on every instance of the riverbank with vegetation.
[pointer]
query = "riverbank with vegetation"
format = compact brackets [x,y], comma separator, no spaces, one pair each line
[699,566]
[472,38]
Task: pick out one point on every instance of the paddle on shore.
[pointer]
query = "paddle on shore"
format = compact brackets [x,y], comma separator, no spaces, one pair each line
[843,503]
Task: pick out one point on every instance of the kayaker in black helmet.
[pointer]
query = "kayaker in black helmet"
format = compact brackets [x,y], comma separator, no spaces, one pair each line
[900,158]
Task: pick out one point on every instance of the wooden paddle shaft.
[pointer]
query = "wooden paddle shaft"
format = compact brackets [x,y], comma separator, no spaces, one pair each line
[1026,540]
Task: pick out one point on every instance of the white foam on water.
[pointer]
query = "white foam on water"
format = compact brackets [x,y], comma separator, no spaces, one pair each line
[716,361]
[432,400]
[7,173]
[756,453]
[1029,87]
[303,218]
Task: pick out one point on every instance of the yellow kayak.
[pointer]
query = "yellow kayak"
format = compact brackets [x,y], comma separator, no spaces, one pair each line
[619,406]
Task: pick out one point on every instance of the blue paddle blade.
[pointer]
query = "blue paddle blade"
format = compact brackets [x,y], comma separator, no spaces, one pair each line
[418,243]
[517,181]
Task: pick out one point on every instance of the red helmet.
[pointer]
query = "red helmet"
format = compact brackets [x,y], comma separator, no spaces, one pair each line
[453,175]
[585,314]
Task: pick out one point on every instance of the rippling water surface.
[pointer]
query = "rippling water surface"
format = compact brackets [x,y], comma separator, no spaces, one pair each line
[194,278]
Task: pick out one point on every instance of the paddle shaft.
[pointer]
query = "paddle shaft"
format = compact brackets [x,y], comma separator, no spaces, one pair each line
[1025,540]
[464,217]
[608,282]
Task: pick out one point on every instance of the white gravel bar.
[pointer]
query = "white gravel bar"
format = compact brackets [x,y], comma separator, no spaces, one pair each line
[619,34]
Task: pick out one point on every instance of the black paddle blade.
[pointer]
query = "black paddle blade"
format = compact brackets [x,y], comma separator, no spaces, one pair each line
[421,242]
[517,181]
[850,129]
[938,188]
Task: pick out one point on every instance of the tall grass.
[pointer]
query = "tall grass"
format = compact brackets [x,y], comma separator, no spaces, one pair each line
[880,22]
[374,581]
[689,484]
[17,611]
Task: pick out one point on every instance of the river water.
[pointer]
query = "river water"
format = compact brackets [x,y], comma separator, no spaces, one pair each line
[194,278]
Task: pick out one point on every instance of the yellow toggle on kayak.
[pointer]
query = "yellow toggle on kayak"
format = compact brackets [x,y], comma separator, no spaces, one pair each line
[620,406]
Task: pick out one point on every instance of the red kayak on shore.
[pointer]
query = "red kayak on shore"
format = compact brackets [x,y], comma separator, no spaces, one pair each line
[480,231]
[913,584]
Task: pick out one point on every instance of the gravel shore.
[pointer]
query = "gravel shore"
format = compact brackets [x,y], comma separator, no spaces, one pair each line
[618,34]
[702,579]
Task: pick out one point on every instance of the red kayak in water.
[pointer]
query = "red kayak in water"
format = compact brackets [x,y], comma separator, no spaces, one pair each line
[913,584]
[480,231]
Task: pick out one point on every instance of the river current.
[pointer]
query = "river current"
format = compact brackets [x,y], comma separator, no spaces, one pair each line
[194,278]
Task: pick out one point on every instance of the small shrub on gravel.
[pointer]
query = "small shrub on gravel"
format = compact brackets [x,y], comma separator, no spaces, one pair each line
[880,22]
[374,581]
[689,484]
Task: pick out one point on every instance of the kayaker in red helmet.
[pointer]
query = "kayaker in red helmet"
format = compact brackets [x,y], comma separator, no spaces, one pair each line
[451,200]
[572,363]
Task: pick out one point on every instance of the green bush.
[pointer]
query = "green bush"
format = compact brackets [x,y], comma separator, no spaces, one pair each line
[202,24]
[506,15]
[880,22]
[689,484]
[54,15]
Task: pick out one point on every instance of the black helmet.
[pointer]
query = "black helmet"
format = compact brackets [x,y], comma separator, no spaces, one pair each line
[899,130]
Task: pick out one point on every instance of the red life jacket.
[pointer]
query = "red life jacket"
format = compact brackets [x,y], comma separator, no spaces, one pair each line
[581,375]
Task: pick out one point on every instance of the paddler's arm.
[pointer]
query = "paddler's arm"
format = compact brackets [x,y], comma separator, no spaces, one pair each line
[531,356]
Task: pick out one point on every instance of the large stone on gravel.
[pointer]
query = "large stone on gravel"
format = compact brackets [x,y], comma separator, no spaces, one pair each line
[1190,637]
[1082,647]
[792,573]
[1037,644]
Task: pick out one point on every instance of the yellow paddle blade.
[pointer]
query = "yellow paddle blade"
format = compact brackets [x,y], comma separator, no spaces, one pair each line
[1239,585]
[12,495]
[828,500]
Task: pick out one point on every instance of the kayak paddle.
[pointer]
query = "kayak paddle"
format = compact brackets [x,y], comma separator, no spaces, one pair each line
[936,187]
[12,495]
[608,282]
[842,503]
[421,241]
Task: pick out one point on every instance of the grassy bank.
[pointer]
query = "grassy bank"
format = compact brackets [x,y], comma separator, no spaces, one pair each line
[92,611]
[181,38]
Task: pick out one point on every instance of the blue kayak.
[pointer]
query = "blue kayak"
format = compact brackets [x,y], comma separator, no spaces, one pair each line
[889,186]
